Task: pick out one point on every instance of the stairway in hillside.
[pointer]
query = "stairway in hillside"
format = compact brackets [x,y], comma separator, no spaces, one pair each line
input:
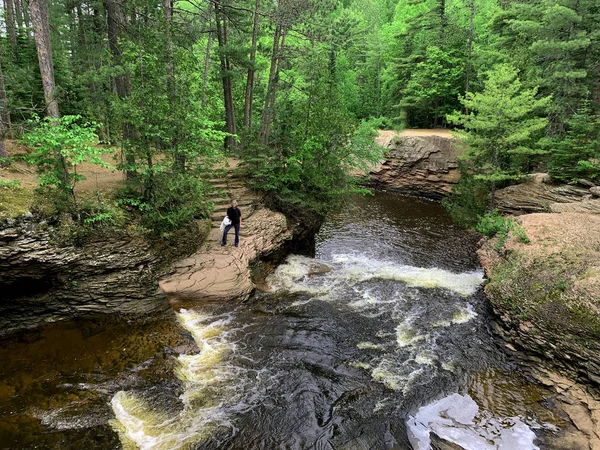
[228,187]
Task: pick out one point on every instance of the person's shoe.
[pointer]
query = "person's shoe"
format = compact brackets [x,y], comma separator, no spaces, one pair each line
[223,244]
[236,245]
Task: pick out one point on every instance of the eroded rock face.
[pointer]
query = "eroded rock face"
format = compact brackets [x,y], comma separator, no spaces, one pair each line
[547,293]
[42,282]
[418,165]
[537,195]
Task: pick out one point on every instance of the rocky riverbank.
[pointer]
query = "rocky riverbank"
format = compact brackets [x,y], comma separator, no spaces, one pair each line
[43,280]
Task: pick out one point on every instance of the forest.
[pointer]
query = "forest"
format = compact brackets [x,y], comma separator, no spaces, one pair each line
[294,88]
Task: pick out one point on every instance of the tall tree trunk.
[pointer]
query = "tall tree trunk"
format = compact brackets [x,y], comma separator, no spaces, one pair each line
[250,80]
[122,85]
[18,14]
[26,17]
[4,112]
[469,50]
[226,75]
[179,158]
[10,24]
[3,152]
[269,108]
[207,56]
[41,28]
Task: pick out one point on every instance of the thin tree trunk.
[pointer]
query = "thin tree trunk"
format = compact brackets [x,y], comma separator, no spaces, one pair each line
[270,84]
[207,57]
[269,108]
[469,50]
[250,80]
[179,158]
[113,17]
[18,14]
[10,24]
[4,112]
[26,17]
[3,152]
[226,75]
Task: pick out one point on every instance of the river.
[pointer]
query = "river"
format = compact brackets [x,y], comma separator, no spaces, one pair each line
[379,341]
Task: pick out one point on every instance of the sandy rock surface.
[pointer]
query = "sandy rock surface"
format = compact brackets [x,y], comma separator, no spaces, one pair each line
[216,273]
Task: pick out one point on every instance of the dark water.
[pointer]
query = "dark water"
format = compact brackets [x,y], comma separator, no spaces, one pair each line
[339,354]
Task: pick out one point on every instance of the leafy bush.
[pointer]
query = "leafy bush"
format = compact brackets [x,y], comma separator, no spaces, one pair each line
[98,212]
[58,146]
[175,200]
[493,224]
[379,123]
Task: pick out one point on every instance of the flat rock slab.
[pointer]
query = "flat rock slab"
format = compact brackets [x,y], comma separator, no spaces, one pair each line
[217,274]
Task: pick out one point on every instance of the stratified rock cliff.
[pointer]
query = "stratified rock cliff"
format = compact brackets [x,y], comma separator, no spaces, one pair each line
[41,281]
[423,165]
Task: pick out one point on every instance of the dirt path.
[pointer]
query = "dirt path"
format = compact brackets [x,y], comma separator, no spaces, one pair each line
[385,136]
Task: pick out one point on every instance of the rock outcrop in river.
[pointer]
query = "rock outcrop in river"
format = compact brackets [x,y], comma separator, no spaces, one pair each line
[417,162]
[218,274]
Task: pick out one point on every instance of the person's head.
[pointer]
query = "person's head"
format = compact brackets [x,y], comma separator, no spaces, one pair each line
[234,203]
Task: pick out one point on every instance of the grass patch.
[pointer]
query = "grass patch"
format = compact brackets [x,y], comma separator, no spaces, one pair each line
[15,200]
[541,291]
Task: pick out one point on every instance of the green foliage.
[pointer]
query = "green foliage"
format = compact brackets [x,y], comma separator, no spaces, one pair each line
[493,224]
[99,212]
[502,129]
[468,199]
[58,146]
[577,154]
[175,200]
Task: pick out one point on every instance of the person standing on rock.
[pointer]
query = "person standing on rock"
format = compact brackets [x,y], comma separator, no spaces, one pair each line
[235,215]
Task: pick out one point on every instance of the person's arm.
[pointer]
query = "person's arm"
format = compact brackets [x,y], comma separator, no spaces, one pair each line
[240,219]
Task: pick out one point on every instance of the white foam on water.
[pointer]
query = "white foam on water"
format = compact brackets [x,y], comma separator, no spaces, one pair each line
[407,336]
[213,390]
[457,419]
[346,270]
[369,345]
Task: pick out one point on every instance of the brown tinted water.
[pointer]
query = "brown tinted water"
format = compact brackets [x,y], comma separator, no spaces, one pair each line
[341,352]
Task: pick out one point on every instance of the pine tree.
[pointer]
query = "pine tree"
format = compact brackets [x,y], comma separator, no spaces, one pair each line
[502,131]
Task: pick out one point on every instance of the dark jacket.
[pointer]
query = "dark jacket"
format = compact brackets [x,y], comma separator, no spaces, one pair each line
[234,215]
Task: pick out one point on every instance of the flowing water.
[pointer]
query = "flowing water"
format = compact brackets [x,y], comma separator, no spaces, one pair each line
[380,341]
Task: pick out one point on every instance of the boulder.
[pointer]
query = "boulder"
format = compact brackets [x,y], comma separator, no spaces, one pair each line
[220,274]
[595,191]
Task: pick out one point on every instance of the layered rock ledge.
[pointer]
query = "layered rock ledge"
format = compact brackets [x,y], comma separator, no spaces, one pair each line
[547,292]
[219,274]
[417,162]
[42,281]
